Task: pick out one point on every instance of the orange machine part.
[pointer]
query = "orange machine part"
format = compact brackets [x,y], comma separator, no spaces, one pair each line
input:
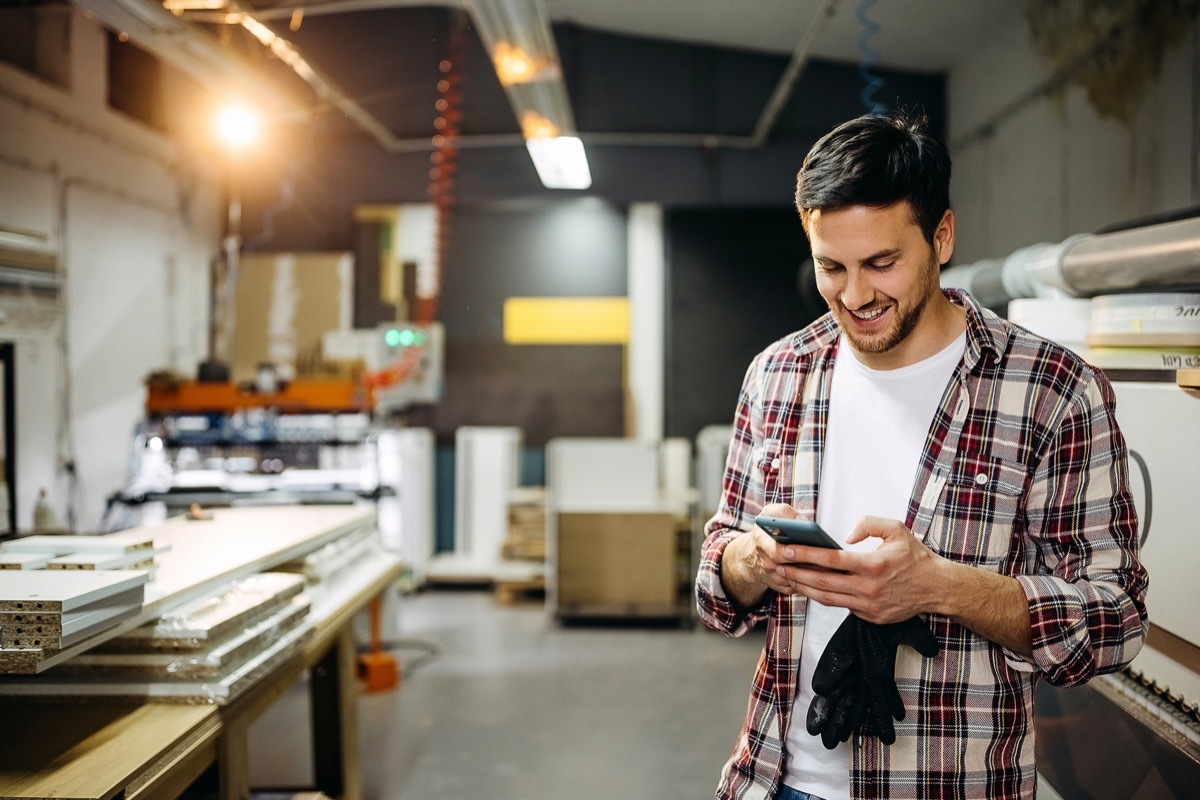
[378,668]
[297,396]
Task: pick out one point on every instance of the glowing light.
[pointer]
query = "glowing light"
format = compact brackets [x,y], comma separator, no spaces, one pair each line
[237,126]
[514,65]
[404,337]
[536,126]
[560,162]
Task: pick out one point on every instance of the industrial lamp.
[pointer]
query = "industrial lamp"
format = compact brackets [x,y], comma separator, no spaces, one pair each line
[517,36]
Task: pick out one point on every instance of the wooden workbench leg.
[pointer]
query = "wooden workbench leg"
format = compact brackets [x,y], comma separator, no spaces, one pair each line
[334,694]
[233,761]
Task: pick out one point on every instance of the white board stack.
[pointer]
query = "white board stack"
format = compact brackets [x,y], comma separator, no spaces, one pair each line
[118,551]
[1145,331]
[52,609]
[205,651]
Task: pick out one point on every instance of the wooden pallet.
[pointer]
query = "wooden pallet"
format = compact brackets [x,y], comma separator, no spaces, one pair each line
[512,591]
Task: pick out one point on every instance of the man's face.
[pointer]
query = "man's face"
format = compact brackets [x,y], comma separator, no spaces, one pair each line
[878,274]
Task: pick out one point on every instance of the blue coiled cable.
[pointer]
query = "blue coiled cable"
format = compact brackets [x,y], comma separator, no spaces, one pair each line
[872,82]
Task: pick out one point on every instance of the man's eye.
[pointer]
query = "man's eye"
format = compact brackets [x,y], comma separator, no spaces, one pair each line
[883,267]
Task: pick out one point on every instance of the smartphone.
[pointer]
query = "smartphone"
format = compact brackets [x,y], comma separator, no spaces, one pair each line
[795,531]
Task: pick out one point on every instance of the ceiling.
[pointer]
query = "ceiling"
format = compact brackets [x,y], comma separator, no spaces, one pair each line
[916,35]
[371,56]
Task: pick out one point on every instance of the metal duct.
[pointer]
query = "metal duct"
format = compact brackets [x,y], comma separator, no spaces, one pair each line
[1165,256]
[1153,258]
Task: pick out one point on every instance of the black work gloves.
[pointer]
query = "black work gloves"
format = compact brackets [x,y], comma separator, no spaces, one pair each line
[855,681]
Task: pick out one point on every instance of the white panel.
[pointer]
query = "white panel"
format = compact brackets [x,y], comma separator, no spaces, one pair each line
[416,241]
[120,329]
[406,521]
[597,474]
[1161,424]
[27,207]
[712,450]
[486,469]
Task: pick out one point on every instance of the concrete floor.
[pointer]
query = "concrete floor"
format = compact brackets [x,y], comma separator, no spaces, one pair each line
[513,706]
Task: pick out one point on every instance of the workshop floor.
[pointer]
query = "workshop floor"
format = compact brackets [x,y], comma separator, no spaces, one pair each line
[501,702]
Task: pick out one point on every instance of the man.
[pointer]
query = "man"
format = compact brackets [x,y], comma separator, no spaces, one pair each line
[974,472]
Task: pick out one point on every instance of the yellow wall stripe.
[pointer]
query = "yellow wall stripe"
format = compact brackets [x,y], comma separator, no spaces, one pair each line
[566,320]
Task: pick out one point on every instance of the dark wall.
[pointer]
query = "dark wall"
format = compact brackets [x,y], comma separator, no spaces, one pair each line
[569,249]
[732,291]
[734,242]
[623,90]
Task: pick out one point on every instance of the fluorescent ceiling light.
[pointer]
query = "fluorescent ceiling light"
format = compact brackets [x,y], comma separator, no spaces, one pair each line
[560,162]
[517,35]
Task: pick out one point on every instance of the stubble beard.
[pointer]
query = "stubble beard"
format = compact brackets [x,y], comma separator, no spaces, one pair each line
[905,323]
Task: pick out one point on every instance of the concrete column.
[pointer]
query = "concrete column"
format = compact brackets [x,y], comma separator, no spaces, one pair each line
[647,308]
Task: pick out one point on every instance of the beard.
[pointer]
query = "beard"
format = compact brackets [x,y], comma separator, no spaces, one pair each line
[904,323]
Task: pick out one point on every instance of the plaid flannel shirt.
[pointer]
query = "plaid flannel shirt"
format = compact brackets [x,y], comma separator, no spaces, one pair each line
[1023,473]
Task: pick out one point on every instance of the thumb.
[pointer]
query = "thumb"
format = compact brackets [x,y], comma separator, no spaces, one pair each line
[879,527]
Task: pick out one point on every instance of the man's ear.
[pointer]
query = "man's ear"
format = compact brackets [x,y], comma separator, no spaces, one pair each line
[943,238]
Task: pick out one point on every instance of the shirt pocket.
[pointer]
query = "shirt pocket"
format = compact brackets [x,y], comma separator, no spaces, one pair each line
[981,509]
[775,472]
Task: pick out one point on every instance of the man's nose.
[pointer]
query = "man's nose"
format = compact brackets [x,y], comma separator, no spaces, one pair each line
[858,291]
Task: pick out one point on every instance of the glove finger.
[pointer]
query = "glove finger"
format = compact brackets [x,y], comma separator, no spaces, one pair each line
[843,720]
[875,657]
[819,711]
[858,709]
[881,719]
[894,701]
[917,635]
[838,658]
[838,729]
[832,733]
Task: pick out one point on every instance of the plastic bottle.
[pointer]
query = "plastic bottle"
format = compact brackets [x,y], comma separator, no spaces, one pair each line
[43,515]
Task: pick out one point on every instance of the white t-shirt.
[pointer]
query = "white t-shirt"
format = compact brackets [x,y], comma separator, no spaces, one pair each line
[878,421]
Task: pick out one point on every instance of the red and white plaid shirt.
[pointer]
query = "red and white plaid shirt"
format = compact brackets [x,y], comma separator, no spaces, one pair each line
[1023,473]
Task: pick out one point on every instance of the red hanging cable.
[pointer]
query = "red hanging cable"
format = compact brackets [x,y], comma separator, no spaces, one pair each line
[443,172]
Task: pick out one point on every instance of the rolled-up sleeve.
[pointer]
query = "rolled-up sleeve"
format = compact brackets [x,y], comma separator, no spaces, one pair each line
[741,497]
[1087,606]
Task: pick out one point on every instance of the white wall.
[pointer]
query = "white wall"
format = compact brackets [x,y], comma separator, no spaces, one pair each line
[135,224]
[1054,167]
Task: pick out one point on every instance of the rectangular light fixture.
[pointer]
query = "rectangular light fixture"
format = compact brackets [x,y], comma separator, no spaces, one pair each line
[560,162]
[518,38]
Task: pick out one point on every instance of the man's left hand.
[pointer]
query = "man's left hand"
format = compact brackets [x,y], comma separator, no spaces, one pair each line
[896,581]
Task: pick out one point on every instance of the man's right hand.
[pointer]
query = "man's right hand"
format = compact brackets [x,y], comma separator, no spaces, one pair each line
[751,562]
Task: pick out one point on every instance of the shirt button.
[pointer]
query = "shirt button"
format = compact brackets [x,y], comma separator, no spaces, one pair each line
[775,464]
[981,478]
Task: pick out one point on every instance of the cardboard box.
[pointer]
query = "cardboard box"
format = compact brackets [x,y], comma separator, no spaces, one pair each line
[617,560]
[285,302]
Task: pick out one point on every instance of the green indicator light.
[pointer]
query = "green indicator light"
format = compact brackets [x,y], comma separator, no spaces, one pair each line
[393,337]
[407,337]
[420,338]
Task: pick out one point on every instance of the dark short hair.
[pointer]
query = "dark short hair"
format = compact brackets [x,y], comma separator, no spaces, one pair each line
[877,160]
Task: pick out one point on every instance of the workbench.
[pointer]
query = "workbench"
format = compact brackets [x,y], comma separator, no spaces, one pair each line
[59,748]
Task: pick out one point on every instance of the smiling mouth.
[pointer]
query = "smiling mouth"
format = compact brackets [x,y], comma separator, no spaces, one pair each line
[868,315]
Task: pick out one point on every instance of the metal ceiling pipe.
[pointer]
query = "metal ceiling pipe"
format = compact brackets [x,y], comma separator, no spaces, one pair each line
[783,90]
[1155,257]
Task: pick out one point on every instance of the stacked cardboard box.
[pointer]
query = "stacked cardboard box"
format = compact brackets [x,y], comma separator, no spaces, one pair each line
[526,539]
